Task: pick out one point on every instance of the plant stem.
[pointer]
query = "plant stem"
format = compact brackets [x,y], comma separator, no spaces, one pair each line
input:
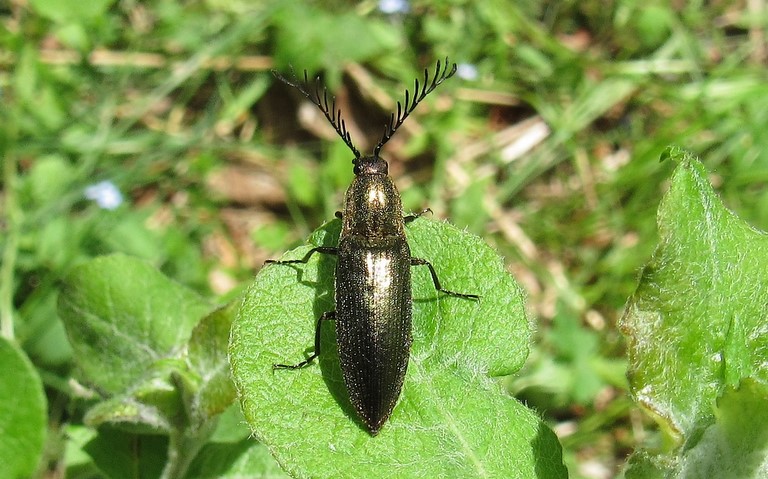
[182,449]
[12,237]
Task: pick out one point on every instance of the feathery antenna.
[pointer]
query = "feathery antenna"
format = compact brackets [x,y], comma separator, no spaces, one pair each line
[330,111]
[405,109]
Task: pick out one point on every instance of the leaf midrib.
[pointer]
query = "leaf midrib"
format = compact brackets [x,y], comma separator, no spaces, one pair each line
[425,381]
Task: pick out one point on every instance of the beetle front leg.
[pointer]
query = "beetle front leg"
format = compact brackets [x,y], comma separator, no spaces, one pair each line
[411,217]
[406,218]
[319,249]
[420,262]
[327,316]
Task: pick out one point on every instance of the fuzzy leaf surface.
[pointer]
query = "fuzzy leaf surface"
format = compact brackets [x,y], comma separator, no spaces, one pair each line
[23,413]
[207,358]
[122,315]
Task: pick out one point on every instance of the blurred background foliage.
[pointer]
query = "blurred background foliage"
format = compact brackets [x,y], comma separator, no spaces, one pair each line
[155,128]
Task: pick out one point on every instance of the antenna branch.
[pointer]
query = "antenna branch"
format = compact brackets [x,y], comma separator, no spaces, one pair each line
[329,109]
[442,73]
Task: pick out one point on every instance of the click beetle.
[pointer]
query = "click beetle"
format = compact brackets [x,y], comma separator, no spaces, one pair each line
[373,277]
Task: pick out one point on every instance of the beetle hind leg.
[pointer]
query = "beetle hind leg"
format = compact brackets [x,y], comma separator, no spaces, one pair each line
[327,316]
[436,281]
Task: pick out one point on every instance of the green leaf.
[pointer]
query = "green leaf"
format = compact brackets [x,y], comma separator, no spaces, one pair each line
[120,455]
[245,458]
[452,419]
[311,38]
[70,10]
[121,316]
[231,453]
[736,446]
[47,180]
[36,93]
[207,358]
[75,460]
[579,348]
[696,324]
[22,413]
[150,405]
[231,426]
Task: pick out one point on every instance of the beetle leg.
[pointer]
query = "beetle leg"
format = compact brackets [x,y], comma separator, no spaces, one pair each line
[419,262]
[327,316]
[319,249]
[412,217]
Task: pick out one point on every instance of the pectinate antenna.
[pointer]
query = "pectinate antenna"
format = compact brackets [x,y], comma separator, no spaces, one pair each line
[420,92]
[329,110]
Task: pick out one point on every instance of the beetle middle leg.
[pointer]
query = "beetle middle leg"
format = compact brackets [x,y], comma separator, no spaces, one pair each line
[327,316]
[420,262]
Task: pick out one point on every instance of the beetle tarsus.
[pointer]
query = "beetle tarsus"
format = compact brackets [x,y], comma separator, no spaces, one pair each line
[295,366]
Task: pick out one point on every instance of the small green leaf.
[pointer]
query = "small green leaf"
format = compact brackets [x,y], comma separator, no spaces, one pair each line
[121,455]
[311,37]
[47,180]
[75,459]
[121,316]
[207,358]
[696,324]
[22,413]
[130,414]
[150,405]
[245,458]
[736,446]
[70,10]
[452,420]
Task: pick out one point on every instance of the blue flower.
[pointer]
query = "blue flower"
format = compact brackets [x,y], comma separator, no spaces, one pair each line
[394,6]
[466,71]
[105,194]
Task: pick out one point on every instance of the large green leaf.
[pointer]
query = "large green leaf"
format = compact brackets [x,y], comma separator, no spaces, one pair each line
[452,420]
[696,325]
[160,362]
[22,413]
[122,315]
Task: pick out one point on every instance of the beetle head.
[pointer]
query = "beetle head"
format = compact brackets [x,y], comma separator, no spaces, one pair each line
[370,165]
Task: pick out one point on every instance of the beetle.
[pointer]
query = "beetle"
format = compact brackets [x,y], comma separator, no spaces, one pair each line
[373,278]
